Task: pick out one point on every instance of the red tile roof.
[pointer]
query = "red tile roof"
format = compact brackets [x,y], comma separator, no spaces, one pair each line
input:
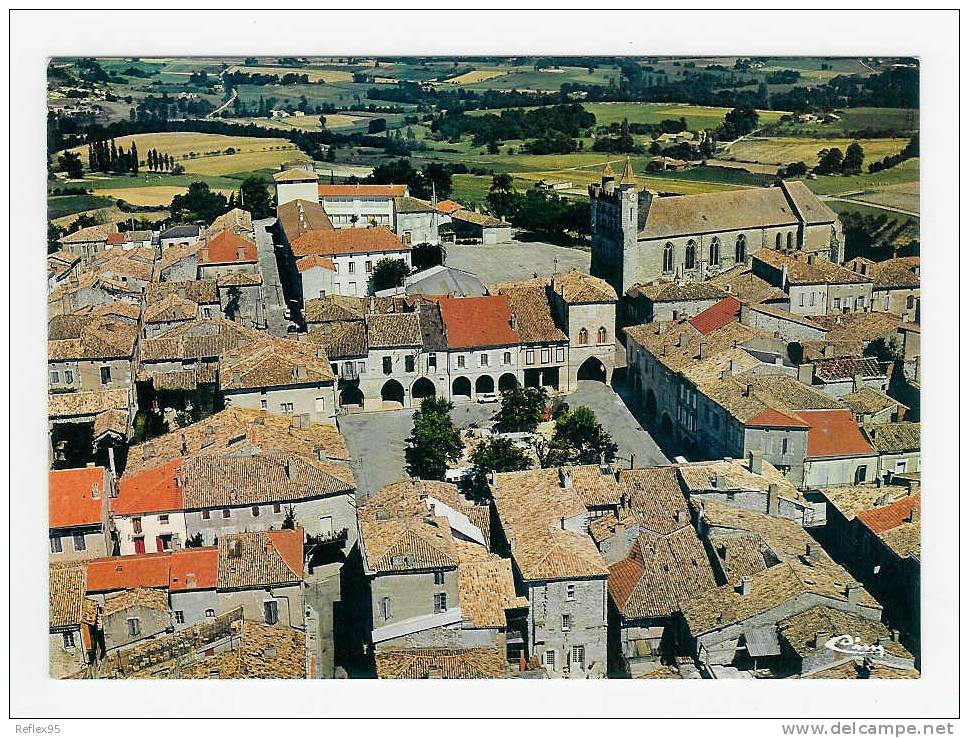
[772,418]
[289,543]
[473,322]
[716,316]
[70,495]
[449,206]
[127,572]
[115,238]
[225,249]
[882,519]
[834,433]
[194,568]
[347,241]
[150,491]
[364,190]
[308,262]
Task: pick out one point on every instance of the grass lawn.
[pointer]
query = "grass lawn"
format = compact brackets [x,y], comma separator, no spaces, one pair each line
[905,173]
[785,149]
[58,207]
[147,179]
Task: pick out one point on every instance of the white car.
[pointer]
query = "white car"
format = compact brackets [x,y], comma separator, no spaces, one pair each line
[487,397]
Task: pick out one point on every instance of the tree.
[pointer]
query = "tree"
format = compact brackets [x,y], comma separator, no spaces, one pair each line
[289,522]
[736,123]
[501,198]
[579,439]
[194,541]
[829,161]
[522,408]
[388,273]
[794,169]
[254,193]
[853,160]
[497,454]
[198,204]
[133,157]
[71,163]
[434,441]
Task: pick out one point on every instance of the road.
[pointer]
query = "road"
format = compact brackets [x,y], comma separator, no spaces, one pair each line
[272,289]
[223,106]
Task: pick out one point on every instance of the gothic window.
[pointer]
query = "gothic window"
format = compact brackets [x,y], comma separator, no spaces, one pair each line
[689,261]
[601,335]
[583,337]
[740,252]
[790,240]
[668,258]
[777,242]
[715,252]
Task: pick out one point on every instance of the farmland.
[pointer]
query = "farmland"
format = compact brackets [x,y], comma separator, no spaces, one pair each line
[312,74]
[59,207]
[785,149]
[905,173]
[697,118]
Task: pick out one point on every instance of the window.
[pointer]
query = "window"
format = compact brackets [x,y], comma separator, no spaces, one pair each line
[432,362]
[409,363]
[136,524]
[715,252]
[440,602]
[570,592]
[689,260]
[812,299]
[550,659]
[353,288]
[226,512]
[55,545]
[566,621]
[277,508]
[790,240]
[888,302]
[460,362]
[439,577]
[784,446]
[578,655]
[55,378]
[583,337]
[668,258]
[336,267]
[134,626]
[326,525]
[271,611]
[836,303]
[263,404]
[909,302]
[483,360]
[79,543]
[255,511]
[388,365]
[777,242]
[860,473]
[68,637]
[351,267]
[163,520]
[506,358]
[286,408]
[210,613]
[802,299]
[105,375]
[385,608]
[560,354]
[206,313]
[68,376]
[546,355]
[206,514]
[369,266]
[180,617]
[319,404]
[529,356]
[601,336]
[740,250]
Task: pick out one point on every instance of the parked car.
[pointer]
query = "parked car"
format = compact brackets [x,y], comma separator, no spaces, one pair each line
[487,397]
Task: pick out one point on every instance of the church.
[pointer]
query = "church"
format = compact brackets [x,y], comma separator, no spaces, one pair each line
[639,237]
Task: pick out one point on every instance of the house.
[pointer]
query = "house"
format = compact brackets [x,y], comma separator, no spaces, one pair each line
[92,353]
[440,663]
[353,253]
[789,326]
[747,287]
[148,512]
[227,253]
[770,569]
[79,528]
[71,620]
[585,307]
[296,183]
[192,578]
[135,268]
[360,205]
[433,582]
[639,237]
[417,221]
[108,412]
[897,285]
[480,228]
[814,285]
[280,376]
[838,377]
[168,304]
[664,300]
[178,235]
[86,242]
[872,407]
[542,525]
[90,289]
[837,453]
[899,447]
[134,615]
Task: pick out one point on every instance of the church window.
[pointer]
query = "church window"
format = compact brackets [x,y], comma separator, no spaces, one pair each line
[740,252]
[583,337]
[790,240]
[601,335]
[777,242]
[715,252]
[668,258]
[689,261]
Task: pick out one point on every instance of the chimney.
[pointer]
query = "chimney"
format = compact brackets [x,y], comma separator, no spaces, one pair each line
[319,453]
[703,350]
[562,523]
[204,254]
[184,444]
[853,593]
[810,259]
[820,638]
[773,500]
[913,516]
[857,382]
[914,487]
[746,584]
[827,351]
[236,377]
[95,491]
[288,466]
[147,451]
[896,635]
[748,387]
[240,254]
[681,340]
[812,553]
[755,461]
[733,367]
[493,476]
[805,374]
[299,371]
[565,478]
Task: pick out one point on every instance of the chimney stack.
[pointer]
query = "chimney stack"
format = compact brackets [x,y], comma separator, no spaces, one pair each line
[820,638]
[746,584]
[755,461]
[853,593]
[147,451]
[565,478]
[773,500]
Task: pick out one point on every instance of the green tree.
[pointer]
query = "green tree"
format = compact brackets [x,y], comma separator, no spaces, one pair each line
[579,439]
[289,522]
[499,455]
[434,441]
[254,194]
[133,156]
[829,161]
[388,273]
[198,204]
[194,541]
[501,196]
[71,163]
[853,160]
[522,408]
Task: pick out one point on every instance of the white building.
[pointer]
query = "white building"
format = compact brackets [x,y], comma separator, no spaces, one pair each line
[354,254]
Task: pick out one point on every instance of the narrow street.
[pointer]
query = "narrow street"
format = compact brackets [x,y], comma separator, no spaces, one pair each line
[274,299]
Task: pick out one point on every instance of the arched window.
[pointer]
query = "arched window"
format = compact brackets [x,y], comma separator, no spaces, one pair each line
[668,258]
[909,302]
[583,337]
[715,252]
[601,336]
[777,242]
[689,261]
[790,240]
[740,251]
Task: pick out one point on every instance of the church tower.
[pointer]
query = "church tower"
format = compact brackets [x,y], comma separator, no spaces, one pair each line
[615,221]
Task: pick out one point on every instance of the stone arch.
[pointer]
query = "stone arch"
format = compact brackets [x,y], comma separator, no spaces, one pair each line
[777,242]
[740,250]
[715,252]
[484,384]
[351,394]
[392,392]
[602,335]
[689,258]
[790,240]
[507,381]
[422,387]
[668,257]
[592,369]
[461,389]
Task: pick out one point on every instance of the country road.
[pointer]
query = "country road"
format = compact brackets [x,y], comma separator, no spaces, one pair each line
[223,106]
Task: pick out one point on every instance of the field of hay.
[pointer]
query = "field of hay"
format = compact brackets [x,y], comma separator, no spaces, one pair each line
[478,75]
[784,149]
[901,196]
[312,74]
[111,215]
[148,195]
[697,117]
[182,145]
[248,161]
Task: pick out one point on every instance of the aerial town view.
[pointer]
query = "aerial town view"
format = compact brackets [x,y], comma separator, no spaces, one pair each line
[483,367]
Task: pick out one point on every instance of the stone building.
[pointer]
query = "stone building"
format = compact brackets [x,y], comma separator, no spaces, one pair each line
[638,237]
[148,512]
[87,242]
[814,285]
[78,522]
[71,620]
[664,300]
[897,285]
[585,307]
[134,615]
[91,352]
[899,447]
[354,253]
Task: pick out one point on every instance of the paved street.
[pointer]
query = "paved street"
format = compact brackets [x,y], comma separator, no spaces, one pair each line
[512,261]
[272,289]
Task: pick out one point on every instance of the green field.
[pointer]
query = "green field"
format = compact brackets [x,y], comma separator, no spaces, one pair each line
[898,228]
[697,118]
[59,207]
[904,173]
[854,120]
[786,149]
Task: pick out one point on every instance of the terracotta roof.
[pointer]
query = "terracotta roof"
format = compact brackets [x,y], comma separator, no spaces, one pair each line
[858,327]
[334,308]
[117,262]
[296,217]
[90,234]
[100,338]
[656,499]
[393,330]
[239,279]
[856,669]
[663,291]
[532,311]
[115,238]
[237,221]
[171,309]
[443,663]
[260,559]
[771,418]
[449,206]
[834,433]
[274,362]
[66,588]
[193,568]
[341,340]
[850,500]
[804,268]
[905,539]
[882,519]
[478,322]
[263,652]
[747,286]
[362,190]
[229,481]
[306,263]
[799,631]
[732,474]
[482,220]
[71,404]
[201,291]
[71,495]
[895,438]
[127,572]
[150,491]
[486,587]
[716,316]
[152,599]
[347,241]
[747,397]
[413,205]
[228,248]
[296,175]
[832,370]
[734,210]
[890,274]
[578,288]
[197,340]
[117,422]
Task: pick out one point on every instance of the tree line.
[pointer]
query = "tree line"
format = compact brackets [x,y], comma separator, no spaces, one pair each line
[107,156]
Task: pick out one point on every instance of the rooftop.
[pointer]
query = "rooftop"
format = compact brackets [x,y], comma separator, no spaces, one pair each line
[347,241]
[227,248]
[868,400]
[834,434]
[76,497]
[805,268]
[150,491]
[747,286]
[260,559]
[274,362]
[716,316]
[362,190]
[895,438]
[478,322]
[579,288]
[443,663]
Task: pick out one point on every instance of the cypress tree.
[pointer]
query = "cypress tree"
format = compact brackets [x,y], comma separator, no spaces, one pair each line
[134,158]
[113,154]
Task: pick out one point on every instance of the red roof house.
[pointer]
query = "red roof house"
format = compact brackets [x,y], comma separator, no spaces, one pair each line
[716,316]
[478,322]
[76,497]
